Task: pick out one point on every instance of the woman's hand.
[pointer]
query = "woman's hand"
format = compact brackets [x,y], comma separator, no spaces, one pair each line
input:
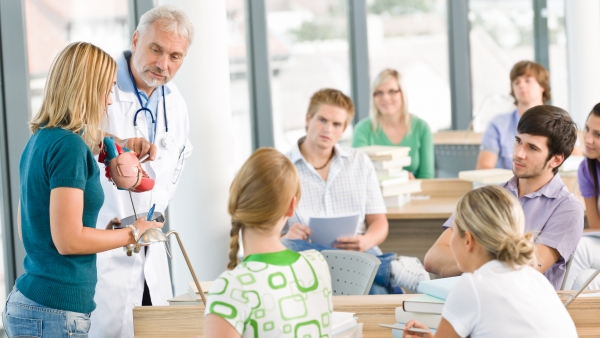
[414,324]
[142,225]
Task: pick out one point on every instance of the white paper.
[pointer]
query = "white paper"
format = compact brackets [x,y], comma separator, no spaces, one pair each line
[325,230]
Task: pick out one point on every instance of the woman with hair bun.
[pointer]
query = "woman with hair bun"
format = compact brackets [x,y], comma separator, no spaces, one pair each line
[499,293]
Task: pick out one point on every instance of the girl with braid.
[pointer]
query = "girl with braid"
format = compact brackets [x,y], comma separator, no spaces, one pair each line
[499,294]
[273,291]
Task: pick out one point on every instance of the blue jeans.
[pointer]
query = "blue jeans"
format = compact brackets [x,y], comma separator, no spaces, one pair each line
[23,317]
[381,283]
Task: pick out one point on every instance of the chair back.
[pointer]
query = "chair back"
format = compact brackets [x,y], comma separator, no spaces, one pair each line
[352,272]
[567,268]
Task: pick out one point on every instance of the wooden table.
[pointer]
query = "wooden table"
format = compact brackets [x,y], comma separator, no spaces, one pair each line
[188,321]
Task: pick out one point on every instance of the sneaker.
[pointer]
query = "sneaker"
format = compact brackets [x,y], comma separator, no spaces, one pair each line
[407,272]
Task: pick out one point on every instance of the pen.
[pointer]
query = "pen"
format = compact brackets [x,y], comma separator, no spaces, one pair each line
[150,212]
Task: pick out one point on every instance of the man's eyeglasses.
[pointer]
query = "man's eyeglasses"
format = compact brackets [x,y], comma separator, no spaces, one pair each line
[390,92]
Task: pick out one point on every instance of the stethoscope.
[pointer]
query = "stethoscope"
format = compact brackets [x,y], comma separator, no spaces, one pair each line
[167,141]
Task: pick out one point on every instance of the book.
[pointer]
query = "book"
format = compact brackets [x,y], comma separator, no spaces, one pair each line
[342,321]
[355,332]
[429,319]
[408,187]
[184,299]
[193,290]
[385,181]
[385,153]
[397,201]
[487,176]
[439,288]
[423,304]
[394,172]
[387,165]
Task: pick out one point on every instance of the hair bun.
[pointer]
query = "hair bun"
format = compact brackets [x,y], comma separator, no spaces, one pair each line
[516,250]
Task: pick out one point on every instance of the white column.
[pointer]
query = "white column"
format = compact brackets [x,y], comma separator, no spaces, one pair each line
[199,210]
[583,48]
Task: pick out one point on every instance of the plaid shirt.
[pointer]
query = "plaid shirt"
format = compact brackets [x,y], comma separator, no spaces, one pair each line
[351,187]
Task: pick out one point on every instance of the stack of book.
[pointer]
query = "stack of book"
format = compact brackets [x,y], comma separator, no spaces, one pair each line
[426,308]
[345,325]
[393,179]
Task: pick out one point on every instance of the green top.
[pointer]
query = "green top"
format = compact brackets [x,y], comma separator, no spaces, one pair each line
[418,138]
[277,294]
[55,158]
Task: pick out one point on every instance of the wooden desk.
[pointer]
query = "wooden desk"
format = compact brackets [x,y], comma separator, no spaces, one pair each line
[188,321]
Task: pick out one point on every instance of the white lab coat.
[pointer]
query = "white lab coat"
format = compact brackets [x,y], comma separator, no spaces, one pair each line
[121,278]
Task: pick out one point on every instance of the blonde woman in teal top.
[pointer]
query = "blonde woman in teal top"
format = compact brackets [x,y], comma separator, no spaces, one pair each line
[391,124]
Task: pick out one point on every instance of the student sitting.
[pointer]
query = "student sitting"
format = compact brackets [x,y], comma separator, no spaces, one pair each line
[273,292]
[391,124]
[339,181]
[499,293]
[587,255]
[545,138]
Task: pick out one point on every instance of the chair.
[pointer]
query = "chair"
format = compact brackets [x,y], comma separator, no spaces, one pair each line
[450,159]
[567,268]
[352,272]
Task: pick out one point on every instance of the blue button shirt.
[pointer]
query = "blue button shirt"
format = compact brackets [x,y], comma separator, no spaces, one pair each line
[499,138]
[125,84]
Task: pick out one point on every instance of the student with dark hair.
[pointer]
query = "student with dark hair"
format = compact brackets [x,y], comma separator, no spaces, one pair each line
[529,86]
[587,255]
[545,137]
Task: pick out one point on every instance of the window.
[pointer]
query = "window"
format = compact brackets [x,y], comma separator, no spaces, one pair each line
[412,37]
[501,35]
[559,81]
[240,104]
[308,48]
[52,24]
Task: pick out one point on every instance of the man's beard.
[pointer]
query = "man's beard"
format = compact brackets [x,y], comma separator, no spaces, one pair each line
[143,72]
[534,172]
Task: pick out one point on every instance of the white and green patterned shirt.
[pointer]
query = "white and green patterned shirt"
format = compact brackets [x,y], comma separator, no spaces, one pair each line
[279,294]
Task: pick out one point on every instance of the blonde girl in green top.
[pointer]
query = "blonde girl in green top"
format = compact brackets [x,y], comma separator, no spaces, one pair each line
[391,124]
[274,292]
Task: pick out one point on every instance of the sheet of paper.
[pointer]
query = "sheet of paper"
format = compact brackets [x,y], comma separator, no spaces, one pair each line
[325,230]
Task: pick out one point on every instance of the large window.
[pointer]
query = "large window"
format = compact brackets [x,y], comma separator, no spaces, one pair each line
[559,81]
[412,37]
[52,24]
[240,104]
[308,47]
[501,35]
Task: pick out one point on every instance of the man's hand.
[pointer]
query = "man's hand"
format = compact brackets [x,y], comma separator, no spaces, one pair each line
[141,147]
[114,221]
[358,243]
[298,231]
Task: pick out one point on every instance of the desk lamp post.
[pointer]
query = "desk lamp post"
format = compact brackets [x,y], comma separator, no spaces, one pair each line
[154,235]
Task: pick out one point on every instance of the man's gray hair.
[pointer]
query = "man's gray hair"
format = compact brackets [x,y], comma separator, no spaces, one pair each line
[171,18]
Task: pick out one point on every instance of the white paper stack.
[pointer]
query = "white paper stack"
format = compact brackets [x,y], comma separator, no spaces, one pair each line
[396,187]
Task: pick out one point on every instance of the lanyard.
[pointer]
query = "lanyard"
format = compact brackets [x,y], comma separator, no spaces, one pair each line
[145,108]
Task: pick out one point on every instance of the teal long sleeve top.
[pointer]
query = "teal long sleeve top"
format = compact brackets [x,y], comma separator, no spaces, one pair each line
[55,158]
[418,138]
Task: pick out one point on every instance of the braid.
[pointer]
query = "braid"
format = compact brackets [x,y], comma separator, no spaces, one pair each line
[234,245]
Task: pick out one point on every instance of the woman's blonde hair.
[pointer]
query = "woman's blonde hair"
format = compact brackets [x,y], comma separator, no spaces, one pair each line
[384,76]
[79,80]
[495,219]
[260,195]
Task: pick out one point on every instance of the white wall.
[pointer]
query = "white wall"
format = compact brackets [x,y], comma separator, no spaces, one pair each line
[199,210]
[583,51]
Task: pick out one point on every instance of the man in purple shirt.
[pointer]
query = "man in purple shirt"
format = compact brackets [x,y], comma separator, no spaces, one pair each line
[545,137]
